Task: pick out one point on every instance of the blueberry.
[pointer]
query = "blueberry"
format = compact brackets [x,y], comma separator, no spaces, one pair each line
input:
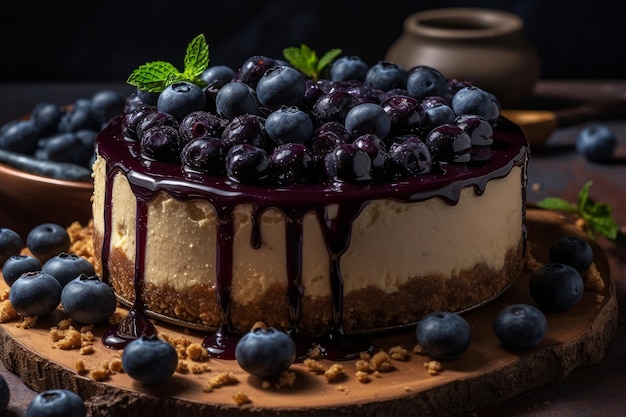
[47,240]
[347,68]
[56,403]
[423,81]
[5,394]
[217,73]
[348,163]
[405,112]
[265,352]
[253,69]
[376,149]
[245,128]
[478,128]
[47,117]
[443,335]
[161,143]
[65,267]
[473,100]
[78,117]
[247,164]
[200,124]
[368,118]
[292,163]
[281,85]
[449,143]
[596,142]
[572,251]
[88,300]
[520,326]
[204,154]
[289,125]
[150,98]
[437,115]
[131,120]
[10,244]
[152,119]
[149,360]
[236,98]
[385,75]
[556,286]
[333,107]
[181,98]
[105,104]
[17,265]
[35,294]
[59,147]
[409,157]
[20,137]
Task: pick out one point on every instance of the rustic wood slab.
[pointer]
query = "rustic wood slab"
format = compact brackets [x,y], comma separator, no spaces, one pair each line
[485,374]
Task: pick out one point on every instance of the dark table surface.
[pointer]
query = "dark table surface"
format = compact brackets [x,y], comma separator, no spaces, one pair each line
[555,170]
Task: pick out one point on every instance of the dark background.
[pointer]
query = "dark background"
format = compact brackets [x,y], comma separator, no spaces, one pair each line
[85,41]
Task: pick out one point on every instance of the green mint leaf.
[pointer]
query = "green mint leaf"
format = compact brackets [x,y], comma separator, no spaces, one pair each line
[196,58]
[557,204]
[583,196]
[605,226]
[154,76]
[327,59]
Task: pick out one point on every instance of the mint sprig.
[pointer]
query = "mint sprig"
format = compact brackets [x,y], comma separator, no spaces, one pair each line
[306,60]
[596,217]
[156,75]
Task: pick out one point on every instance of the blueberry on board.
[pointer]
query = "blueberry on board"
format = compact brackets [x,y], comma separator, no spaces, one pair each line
[386,75]
[17,265]
[67,266]
[520,326]
[443,334]
[181,98]
[5,394]
[265,352]
[572,251]
[149,360]
[20,136]
[56,403]
[236,98]
[596,142]
[281,85]
[368,118]
[88,300]
[348,67]
[47,240]
[289,125]
[556,286]
[423,81]
[35,294]
[10,244]
[217,73]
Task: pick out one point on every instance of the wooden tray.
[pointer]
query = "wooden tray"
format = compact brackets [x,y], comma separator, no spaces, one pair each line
[485,374]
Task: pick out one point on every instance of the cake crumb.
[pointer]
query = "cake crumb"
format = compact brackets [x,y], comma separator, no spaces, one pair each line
[86,350]
[81,242]
[196,352]
[314,366]
[315,353]
[419,350]
[7,312]
[398,353]
[362,376]
[286,379]
[80,367]
[221,379]
[334,372]
[381,361]
[28,322]
[241,398]
[115,365]
[592,278]
[433,367]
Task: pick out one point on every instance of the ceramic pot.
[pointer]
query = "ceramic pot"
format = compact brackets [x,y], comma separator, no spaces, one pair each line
[483,46]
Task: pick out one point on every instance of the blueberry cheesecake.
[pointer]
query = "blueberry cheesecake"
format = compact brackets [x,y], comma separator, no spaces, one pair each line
[318,195]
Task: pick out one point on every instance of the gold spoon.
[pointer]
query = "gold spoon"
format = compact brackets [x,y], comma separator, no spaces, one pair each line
[538,125]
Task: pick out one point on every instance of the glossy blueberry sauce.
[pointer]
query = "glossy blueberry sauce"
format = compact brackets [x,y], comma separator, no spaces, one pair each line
[147,178]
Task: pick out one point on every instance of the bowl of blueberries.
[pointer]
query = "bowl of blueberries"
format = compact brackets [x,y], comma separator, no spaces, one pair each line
[46,157]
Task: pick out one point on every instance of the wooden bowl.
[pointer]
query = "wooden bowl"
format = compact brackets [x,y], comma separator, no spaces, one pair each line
[27,200]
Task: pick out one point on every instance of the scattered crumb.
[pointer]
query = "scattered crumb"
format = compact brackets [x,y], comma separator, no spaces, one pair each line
[381,361]
[398,353]
[362,376]
[433,367]
[314,366]
[81,242]
[80,367]
[7,312]
[86,350]
[315,353]
[221,379]
[592,278]
[27,322]
[334,372]
[241,398]
[419,350]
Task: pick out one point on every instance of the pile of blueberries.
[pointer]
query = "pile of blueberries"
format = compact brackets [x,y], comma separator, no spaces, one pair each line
[59,139]
[268,123]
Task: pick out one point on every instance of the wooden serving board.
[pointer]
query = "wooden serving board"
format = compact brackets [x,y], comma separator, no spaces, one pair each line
[484,374]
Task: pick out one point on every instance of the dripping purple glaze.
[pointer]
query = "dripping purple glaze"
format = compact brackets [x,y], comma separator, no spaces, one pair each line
[147,178]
